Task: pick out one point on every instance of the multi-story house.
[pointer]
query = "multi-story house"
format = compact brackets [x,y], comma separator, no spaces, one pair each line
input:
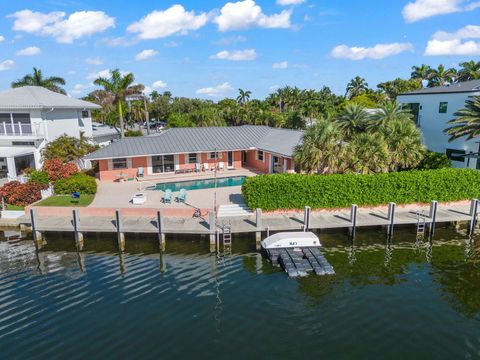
[433,108]
[32,116]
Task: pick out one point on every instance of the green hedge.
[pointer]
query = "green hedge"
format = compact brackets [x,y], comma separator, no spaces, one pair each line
[78,182]
[282,191]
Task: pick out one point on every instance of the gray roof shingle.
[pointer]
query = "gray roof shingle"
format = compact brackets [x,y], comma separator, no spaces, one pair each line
[37,97]
[185,140]
[461,87]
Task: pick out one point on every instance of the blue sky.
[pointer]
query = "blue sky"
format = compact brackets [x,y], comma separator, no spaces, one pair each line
[209,49]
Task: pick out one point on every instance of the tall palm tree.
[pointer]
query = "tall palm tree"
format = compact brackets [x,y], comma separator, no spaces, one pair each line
[354,119]
[117,87]
[137,111]
[36,78]
[470,71]
[355,87]
[321,148]
[420,73]
[441,76]
[368,153]
[243,96]
[388,112]
[467,121]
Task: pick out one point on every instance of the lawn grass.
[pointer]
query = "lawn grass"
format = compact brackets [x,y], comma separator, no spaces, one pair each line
[14,207]
[66,200]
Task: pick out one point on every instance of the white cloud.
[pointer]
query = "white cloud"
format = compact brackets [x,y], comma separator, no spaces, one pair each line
[443,43]
[159,84]
[290,2]
[246,14]
[29,51]
[216,91]
[174,20]
[422,9]
[94,61]
[237,55]
[6,65]
[376,52]
[80,88]
[2,38]
[64,30]
[280,65]
[95,75]
[171,44]
[146,54]
[230,40]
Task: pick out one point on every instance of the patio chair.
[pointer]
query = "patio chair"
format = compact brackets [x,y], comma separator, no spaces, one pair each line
[177,168]
[140,172]
[220,165]
[205,167]
[75,197]
[167,198]
[197,167]
[182,196]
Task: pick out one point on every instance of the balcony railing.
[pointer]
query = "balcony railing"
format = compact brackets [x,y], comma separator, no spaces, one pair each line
[18,129]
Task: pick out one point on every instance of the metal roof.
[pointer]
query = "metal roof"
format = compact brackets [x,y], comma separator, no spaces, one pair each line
[186,140]
[37,97]
[460,87]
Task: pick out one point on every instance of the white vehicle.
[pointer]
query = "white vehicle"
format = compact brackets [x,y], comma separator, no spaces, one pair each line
[284,240]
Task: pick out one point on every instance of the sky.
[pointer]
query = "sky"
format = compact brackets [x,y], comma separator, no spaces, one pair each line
[210,49]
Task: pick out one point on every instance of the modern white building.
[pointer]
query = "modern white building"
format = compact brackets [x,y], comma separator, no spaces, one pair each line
[32,116]
[433,108]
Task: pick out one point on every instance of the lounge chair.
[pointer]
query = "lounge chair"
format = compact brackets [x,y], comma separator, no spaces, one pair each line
[177,168]
[220,165]
[167,198]
[197,167]
[182,196]
[205,167]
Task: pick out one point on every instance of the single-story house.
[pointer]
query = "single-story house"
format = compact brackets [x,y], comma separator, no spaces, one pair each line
[261,148]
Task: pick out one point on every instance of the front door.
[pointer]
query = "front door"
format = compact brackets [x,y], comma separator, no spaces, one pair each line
[276,168]
[230,159]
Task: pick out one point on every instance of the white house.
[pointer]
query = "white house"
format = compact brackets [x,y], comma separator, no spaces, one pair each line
[433,108]
[32,116]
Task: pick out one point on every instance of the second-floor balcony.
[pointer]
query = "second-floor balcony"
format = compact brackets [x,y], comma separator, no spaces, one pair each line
[8,129]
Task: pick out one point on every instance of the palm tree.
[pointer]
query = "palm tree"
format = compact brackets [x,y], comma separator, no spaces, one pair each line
[441,76]
[117,87]
[243,96]
[404,141]
[368,153]
[388,112]
[355,87]
[137,110]
[321,148]
[467,121]
[353,119]
[420,73]
[470,71]
[36,79]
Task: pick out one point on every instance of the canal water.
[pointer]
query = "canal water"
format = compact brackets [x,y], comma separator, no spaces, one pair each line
[402,299]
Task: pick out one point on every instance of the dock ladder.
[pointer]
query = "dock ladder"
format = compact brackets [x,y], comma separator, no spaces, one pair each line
[227,235]
[421,225]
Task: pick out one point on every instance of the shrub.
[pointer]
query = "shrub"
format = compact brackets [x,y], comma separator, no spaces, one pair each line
[435,160]
[80,182]
[38,177]
[271,192]
[133,133]
[19,194]
[56,169]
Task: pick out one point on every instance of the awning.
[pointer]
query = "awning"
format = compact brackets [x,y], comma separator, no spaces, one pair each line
[11,151]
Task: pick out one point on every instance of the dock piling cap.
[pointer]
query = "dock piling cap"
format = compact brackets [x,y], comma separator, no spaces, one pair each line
[291,240]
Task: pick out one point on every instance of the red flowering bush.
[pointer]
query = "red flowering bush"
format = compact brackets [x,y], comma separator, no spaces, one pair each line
[19,194]
[56,169]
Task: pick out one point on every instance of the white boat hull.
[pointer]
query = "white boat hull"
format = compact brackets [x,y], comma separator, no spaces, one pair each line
[286,240]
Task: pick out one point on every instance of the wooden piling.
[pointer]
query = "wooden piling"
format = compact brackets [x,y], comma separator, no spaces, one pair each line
[78,235]
[37,235]
[211,226]
[306,218]
[161,233]
[353,219]
[120,234]
[391,218]
[473,214]
[258,225]
[433,216]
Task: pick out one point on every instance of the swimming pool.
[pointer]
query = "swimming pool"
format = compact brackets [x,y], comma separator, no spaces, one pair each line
[200,184]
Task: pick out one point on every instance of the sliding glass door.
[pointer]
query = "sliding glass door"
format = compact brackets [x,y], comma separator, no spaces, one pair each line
[163,164]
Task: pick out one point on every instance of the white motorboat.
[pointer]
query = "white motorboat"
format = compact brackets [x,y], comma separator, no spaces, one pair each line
[285,240]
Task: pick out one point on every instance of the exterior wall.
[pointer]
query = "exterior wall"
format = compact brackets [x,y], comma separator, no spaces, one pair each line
[432,123]
[106,172]
[66,121]
[266,166]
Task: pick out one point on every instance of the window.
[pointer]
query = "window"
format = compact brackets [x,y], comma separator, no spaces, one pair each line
[120,163]
[212,155]
[455,155]
[15,124]
[85,114]
[260,155]
[23,143]
[442,109]
[192,158]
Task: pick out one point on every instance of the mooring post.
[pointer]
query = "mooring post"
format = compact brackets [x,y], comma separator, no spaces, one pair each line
[306,218]
[433,215]
[258,225]
[120,234]
[37,235]
[161,234]
[391,218]
[78,235]
[211,226]
[473,214]
[353,218]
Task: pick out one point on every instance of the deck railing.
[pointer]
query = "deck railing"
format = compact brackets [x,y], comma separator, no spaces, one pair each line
[17,129]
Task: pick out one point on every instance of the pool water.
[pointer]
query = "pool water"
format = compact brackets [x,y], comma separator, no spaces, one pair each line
[200,184]
[397,299]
